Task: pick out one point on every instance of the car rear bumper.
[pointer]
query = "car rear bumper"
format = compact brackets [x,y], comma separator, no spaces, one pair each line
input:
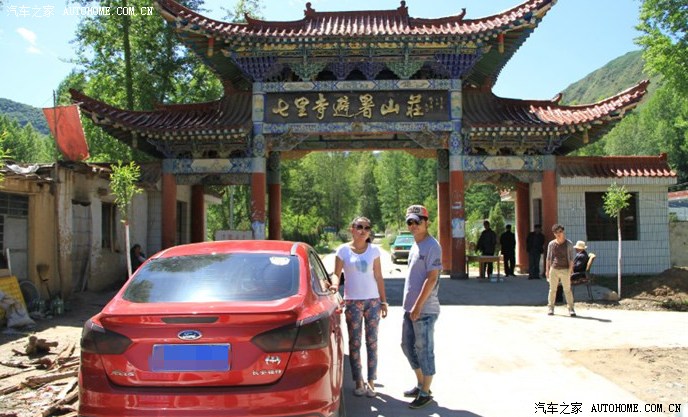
[296,396]
[400,254]
[308,401]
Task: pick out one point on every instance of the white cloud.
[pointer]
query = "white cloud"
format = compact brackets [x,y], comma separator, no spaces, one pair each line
[31,38]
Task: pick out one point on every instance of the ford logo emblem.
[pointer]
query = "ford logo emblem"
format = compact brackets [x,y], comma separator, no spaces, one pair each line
[189,335]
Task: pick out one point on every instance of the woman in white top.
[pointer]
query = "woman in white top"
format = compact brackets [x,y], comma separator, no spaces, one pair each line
[364,298]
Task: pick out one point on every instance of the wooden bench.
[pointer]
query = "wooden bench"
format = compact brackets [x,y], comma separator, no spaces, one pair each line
[588,279]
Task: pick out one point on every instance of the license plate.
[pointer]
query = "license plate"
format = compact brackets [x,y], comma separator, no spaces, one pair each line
[169,358]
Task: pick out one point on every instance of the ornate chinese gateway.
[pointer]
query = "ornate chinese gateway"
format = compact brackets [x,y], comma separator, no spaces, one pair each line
[364,80]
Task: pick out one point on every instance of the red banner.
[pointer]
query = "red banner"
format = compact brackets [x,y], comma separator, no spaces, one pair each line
[65,125]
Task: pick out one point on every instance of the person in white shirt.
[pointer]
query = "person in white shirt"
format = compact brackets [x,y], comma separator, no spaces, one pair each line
[364,298]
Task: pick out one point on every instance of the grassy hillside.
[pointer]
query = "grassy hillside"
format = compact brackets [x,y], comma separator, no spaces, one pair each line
[23,113]
[616,76]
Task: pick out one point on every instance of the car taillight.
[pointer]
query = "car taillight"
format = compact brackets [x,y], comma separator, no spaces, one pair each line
[97,339]
[311,335]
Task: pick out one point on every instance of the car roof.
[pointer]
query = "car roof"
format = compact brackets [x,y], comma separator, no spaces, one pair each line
[229,246]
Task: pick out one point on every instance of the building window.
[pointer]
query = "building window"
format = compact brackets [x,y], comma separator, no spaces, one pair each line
[108,225]
[14,205]
[600,227]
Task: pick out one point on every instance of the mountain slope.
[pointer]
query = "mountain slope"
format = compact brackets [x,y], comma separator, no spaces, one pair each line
[614,77]
[23,113]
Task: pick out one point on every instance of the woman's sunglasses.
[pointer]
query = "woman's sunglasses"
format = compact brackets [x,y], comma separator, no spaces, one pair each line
[362,227]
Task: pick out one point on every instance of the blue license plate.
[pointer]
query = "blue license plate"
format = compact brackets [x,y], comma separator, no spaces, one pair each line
[170,358]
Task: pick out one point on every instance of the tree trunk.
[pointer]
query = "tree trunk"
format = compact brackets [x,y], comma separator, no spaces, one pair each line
[127,246]
[128,73]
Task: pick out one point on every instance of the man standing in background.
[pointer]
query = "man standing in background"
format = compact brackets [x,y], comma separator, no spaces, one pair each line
[487,243]
[535,246]
[507,242]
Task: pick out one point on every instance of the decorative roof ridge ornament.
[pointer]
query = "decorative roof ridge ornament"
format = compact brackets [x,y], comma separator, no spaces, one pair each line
[309,12]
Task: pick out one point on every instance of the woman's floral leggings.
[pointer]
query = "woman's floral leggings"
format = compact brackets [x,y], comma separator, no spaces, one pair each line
[356,312]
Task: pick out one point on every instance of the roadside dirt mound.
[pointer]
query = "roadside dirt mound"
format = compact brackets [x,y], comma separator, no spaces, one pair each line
[665,291]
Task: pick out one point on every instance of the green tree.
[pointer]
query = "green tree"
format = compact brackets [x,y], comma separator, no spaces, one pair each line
[25,143]
[497,220]
[660,126]
[665,42]
[368,202]
[134,64]
[4,153]
[615,200]
[481,198]
[123,182]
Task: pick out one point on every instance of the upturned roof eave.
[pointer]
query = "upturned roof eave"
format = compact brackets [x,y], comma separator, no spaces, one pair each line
[547,115]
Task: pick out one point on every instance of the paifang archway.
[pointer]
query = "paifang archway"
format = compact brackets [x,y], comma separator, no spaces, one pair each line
[356,80]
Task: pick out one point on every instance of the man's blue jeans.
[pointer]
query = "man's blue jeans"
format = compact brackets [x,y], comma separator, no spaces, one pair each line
[418,342]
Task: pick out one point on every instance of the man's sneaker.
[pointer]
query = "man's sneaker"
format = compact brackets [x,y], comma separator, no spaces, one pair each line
[413,393]
[572,313]
[550,312]
[421,401]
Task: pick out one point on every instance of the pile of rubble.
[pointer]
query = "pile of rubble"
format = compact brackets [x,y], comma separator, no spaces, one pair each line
[50,385]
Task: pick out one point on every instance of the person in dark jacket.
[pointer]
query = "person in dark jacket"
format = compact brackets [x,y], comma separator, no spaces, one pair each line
[580,261]
[137,257]
[535,246]
[486,245]
[507,241]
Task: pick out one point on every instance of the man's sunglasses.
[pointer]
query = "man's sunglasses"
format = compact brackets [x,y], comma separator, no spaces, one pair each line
[410,222]
[362,227]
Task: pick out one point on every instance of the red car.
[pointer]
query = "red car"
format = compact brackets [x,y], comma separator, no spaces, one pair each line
[231,328]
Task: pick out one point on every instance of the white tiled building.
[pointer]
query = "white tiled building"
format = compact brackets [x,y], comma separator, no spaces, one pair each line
[583,180]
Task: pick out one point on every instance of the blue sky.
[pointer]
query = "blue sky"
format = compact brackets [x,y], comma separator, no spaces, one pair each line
[575,38]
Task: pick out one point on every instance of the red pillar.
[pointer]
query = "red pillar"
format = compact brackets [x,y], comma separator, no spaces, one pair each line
[549,203]
[258,205]
[444,224]
[522,224]
[197,213]
[458,221]
[169,211]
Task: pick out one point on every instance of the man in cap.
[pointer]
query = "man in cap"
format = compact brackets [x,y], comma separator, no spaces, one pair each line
[421,304]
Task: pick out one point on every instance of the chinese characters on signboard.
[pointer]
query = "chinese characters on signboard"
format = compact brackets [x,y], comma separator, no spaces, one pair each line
[378,106]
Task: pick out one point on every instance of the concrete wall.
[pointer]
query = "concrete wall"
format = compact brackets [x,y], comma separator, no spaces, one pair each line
[51,229]
[647,255]
[41,232]
[678,242]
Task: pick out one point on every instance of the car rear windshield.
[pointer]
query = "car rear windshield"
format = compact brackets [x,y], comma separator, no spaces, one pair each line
[216,277]
[404,240]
